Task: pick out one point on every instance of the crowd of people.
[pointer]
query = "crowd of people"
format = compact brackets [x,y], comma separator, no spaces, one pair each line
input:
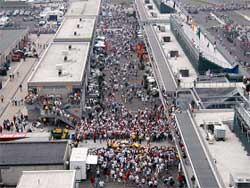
[53,105]
[215,5]
[33,98]
[127,111]
[141,166]
[17,124]
[119,123]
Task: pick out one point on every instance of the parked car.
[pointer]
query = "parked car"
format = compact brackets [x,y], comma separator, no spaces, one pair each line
[28,19]
[20,52]
[27,13]
[42,23]
[31,54]
[9,13]
[2,13]
[15,57]
[21,12]
[16,12]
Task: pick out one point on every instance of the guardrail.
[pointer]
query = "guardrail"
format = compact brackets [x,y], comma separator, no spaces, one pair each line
[210,85]
[56,117]
[207,153]
[240,108]
[155,69]
[200,103]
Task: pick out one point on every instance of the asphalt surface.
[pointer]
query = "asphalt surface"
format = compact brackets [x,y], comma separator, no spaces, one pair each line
[160,59]
[197,155]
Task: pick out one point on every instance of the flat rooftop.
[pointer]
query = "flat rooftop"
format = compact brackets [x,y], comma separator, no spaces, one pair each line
[230,156]
[75,29]
[32,153]
[8,38]
[46,72]
[181,62]
[47,179]
[84,8]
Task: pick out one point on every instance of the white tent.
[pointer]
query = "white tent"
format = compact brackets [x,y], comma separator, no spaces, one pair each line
[100,38]
[92,159]
[100,44]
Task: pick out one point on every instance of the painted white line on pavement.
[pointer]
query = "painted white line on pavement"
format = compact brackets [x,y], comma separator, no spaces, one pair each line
[243,15]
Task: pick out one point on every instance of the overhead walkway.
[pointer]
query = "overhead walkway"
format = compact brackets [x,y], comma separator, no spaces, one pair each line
[205,176]
[211,85]
[141,10]
[159,58]
[143,15]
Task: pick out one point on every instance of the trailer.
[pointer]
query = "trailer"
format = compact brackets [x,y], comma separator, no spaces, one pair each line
[80,161]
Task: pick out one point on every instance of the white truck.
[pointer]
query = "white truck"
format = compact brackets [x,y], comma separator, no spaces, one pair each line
[80,161]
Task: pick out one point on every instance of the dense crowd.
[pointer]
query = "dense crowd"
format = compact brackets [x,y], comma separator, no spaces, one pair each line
[119,123]
[142,166]
[215,5]
[112,120]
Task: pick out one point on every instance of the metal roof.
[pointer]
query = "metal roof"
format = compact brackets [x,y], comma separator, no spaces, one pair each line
[32,153]
[47,179]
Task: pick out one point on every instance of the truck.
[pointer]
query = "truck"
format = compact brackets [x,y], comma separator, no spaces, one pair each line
[219,132]
[80,161]
[58,133]
[15,57]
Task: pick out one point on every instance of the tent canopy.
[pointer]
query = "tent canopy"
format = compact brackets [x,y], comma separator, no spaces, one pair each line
[92,159]
[100,45]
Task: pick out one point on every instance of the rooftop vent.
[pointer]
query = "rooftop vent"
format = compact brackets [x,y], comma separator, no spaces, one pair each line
[65,58]
[60,72]
[59,69]
[78,25]
[70,47]
[80,19]
[75,33]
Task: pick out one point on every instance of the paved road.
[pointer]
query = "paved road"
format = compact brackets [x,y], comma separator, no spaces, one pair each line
[141,10]
[196,153]
[160,59]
